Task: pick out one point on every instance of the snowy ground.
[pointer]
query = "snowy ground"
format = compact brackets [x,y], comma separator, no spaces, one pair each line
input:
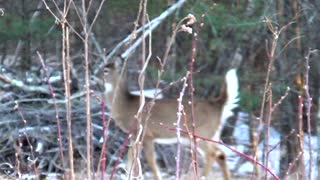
[241,134]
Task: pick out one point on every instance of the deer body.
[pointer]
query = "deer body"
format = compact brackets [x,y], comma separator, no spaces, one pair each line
[124,107]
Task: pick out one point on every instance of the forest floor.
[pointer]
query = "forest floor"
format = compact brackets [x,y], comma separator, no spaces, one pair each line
[39,132]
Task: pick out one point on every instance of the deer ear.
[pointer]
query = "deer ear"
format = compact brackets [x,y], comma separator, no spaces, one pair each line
[110,65]
[114,63]
[117,63]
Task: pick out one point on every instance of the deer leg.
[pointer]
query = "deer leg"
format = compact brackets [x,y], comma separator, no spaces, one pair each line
[149,152]
[213,153]
[222,161]
[209,159]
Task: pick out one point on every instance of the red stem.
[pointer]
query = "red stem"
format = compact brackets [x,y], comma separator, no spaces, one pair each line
[195,136]
[55,109]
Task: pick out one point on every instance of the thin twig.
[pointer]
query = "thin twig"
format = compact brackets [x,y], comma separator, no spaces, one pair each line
[271,59]
[308,110]
[142,127]
[191,91]
[153,24]
[55,109]
[301,135]
[178,129]
[33,158]
[87,88]
[252,159]
[66,74]
[267,131]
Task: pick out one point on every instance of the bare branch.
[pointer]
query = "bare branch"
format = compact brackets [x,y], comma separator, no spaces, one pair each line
[153,24]
[21,85]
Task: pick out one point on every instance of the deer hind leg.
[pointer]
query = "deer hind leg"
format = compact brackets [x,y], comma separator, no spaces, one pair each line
[213,153]
[149,152]
[221,158]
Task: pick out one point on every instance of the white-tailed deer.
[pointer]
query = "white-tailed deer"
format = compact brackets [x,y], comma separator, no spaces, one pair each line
[124,106]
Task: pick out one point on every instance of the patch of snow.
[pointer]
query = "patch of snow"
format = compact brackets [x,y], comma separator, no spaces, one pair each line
[54,79]
[149,93]
[241,134]
[246,168]
[314,144]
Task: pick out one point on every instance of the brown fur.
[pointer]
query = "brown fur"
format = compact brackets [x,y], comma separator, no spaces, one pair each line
[124,106]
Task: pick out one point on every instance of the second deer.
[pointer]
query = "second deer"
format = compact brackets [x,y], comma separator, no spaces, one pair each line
[124,106]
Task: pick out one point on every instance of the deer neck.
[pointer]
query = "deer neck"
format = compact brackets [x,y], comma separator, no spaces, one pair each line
[121,104]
